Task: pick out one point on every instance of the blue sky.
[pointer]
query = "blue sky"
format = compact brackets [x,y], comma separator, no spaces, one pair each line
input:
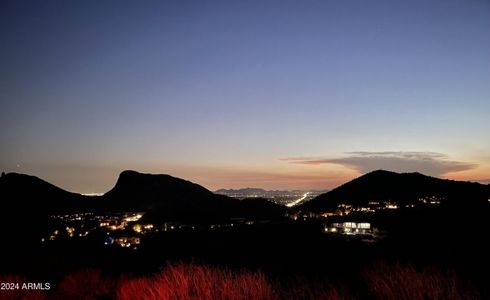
[224,93]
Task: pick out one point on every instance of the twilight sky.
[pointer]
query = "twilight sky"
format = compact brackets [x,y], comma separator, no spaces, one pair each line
[275,94]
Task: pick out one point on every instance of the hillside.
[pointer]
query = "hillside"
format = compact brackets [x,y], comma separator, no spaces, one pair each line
[163,197]
[137,191]
[33,195]
[400,188]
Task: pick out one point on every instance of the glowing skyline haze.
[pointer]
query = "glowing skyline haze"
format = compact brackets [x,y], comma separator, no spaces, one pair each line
[229,94]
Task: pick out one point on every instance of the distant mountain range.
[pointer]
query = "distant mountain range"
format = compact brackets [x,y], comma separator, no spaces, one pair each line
[399,188]
[241,191]
[259,191]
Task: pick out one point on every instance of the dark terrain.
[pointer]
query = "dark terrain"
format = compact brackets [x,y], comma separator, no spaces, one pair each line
[451,235]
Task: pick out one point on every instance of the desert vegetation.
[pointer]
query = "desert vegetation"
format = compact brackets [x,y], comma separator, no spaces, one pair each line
[192,281]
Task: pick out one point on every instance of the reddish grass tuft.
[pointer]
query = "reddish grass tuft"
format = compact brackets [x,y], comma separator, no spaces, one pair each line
[192,282]
[399,282]
[189,281]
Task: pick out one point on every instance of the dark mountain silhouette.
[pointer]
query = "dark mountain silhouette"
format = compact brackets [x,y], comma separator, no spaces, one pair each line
[26,201]
[166,198]
[401,188]
[137,191]
[33,195]
[163,197]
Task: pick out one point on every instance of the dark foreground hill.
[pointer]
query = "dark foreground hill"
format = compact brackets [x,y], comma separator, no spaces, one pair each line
[29,194]
[399,188]
[27,201]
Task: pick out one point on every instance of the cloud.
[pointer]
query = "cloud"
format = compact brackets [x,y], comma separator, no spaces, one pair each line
[430,163]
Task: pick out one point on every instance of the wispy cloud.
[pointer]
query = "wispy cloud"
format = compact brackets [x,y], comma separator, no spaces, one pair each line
[431,163]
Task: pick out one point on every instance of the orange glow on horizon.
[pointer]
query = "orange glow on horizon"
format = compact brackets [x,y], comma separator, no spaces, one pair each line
[482,176]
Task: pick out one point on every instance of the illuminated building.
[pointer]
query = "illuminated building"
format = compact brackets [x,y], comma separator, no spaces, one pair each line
[350,228]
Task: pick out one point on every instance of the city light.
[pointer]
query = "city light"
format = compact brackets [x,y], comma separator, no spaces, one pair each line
[296,202]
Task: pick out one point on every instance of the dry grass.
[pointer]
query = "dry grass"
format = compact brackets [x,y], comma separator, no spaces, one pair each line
[192,282]
[400,282]
[189,281]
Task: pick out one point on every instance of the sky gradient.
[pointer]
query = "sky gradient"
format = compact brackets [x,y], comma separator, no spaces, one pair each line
[272,94]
